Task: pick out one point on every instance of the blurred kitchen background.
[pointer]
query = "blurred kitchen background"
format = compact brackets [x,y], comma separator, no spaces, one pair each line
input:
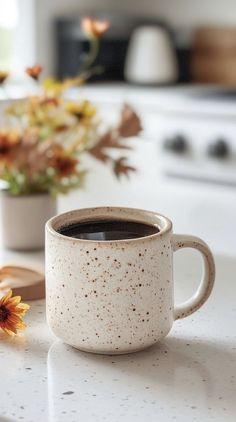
[175,62]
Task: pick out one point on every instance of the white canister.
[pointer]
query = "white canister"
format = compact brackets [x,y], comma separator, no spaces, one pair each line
[151,58]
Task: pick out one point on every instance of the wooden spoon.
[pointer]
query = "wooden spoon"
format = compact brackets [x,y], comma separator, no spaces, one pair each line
[25,282]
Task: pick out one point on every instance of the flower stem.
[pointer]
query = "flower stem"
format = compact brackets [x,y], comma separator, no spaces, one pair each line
[92,54]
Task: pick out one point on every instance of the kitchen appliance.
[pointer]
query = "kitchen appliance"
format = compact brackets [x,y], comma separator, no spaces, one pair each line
[197,135]
[72,45]
[151,58]
[193,127]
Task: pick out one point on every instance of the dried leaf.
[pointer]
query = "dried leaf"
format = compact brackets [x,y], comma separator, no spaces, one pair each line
[111,139]
[121,168]
[98,150]
[130,124]
[28,156]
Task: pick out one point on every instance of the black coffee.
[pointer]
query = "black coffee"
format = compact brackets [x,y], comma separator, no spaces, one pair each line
[108,230]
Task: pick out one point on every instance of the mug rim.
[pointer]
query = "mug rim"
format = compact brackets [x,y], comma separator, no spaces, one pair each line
[166,224]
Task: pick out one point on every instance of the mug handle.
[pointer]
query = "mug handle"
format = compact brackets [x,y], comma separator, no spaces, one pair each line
[180,241]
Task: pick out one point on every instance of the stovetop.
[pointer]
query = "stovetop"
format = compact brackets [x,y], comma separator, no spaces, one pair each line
[217,95]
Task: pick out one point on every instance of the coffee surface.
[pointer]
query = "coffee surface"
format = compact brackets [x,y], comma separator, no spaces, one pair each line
[108,230]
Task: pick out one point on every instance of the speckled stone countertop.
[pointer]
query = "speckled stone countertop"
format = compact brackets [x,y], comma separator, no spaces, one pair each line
[190,376]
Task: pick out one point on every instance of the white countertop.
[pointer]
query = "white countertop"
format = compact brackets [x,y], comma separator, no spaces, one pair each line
[181,98]
[190,376]
[188,99]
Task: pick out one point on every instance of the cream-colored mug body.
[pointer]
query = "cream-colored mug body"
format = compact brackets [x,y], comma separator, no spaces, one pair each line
[116,296]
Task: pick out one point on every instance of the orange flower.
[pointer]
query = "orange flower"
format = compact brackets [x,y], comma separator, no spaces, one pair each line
[11,313]
[7,141]
[66,166]
[3,76]
[61,128]
[94,28]
[34,71]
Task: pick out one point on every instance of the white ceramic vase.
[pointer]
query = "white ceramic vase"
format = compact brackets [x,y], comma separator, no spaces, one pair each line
[23,219]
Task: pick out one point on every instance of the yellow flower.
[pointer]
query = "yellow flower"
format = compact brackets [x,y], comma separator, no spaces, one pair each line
[70,82]
[80,109]
[11,313]
[94,28]
[55,87]
[3,76]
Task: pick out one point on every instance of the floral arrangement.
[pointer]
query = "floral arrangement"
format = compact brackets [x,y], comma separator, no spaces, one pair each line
[40,150]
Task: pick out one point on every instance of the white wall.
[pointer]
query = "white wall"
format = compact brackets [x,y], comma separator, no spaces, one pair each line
[186,13]
[189,13]
[19,17]
[179,13]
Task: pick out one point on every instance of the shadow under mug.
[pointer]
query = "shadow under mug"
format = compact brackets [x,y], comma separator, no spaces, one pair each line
[116,296]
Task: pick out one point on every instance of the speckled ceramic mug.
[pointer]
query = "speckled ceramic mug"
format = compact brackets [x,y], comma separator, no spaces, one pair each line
[116,296]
